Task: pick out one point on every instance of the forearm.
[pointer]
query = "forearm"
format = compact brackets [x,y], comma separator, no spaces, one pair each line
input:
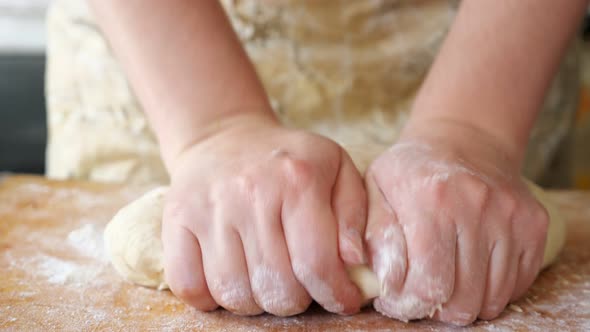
[495,67]
[185,64]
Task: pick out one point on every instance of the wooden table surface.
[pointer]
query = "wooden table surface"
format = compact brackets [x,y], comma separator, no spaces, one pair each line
[54,275]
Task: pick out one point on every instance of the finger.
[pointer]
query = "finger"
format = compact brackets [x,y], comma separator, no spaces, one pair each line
[526,274]
[470,278]
[531,258]
[311,233]
[412,288]
[349,203]
[500,280]
[385,240]
[183,267]
[503,261]
[274,285]
[430,274]
[226,271]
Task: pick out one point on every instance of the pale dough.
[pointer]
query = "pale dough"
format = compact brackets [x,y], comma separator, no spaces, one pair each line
[133,243]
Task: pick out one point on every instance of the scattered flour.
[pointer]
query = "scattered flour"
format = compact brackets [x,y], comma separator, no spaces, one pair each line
[62,272]
[26,295]
[495,328]
[88,240]
[57,271]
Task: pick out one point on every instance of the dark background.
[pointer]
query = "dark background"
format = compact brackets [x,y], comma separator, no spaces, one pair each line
[22,113]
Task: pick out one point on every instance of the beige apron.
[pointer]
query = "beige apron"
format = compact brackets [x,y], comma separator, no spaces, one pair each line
[345,69]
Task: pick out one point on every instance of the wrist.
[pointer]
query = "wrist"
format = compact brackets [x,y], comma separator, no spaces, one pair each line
[174,143]
[467,140]
[504,123]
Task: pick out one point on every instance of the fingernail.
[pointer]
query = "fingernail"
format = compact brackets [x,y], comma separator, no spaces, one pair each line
[384,288]
[354,253]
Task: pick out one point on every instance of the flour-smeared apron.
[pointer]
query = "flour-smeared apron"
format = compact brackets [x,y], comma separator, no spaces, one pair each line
[345,69]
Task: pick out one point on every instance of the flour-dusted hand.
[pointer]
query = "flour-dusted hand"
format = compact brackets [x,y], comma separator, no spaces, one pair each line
[452,229]
[260,218]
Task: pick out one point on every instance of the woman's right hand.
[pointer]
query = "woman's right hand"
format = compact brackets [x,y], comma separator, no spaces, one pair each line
[264,218]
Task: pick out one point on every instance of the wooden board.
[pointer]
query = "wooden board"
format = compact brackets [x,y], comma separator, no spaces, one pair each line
[54,276]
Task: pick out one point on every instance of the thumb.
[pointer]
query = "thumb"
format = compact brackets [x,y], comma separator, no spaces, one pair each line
[385,239]
[349,203]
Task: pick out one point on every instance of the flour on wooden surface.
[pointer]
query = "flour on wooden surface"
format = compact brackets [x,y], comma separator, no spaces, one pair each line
[88,240]
[62,272]
[59,272]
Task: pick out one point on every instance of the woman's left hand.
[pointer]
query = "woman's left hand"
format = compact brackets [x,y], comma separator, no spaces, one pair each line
[453,233]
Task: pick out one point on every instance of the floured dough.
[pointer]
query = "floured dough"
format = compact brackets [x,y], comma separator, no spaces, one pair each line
[132,239]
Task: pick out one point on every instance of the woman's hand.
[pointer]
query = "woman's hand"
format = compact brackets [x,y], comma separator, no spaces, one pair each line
[264,218]
[452,230]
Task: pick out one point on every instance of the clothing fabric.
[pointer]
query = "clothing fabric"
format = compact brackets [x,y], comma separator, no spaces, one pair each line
[348,70]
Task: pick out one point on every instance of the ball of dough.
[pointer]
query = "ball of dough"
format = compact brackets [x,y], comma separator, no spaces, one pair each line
[556,231]
[133,242]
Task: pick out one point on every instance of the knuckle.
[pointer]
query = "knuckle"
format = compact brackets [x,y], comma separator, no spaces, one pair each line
[509,204]
[478,190]
[536,221]
[430,196]
[176,210]
[436,191]
[473,190]
[298,172]
[438,184]
[245,184]
[240,186]
[179,214]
